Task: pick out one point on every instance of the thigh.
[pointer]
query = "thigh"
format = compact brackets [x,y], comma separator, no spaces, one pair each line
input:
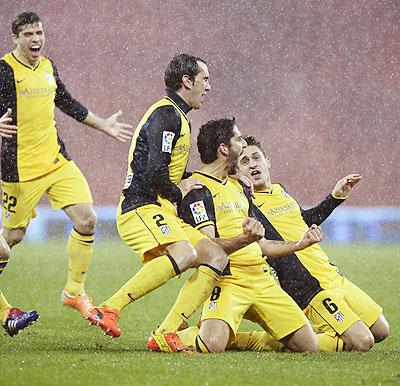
[68,187]
[149,229]
[228,302]
[274,309]
[19,200]
[366,308]
[329,310]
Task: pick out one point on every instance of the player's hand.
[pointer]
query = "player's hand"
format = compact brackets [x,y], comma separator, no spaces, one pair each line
[253,229]
[312,236]
[6,129]
[245,181]
[343,186]
[119,131]
[189,184]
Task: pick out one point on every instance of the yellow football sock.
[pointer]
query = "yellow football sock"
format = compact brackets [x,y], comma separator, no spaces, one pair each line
[4,306]
[152,275]
[201,346]
[80,249]
[255,341]
[329,342]
[191,296]
[188,336]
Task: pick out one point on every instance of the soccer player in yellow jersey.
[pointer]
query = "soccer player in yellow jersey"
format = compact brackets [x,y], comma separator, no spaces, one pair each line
[219,210]
[146,217]
[343,312]
[34,160]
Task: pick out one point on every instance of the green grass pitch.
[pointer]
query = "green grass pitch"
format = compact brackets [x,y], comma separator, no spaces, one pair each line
[61,349]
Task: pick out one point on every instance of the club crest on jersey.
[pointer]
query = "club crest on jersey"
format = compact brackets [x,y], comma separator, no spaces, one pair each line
[167,138]
[198,211]
[49,78]
[339,316]
[165,230]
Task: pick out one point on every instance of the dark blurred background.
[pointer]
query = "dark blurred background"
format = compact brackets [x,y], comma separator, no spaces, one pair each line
[318,81]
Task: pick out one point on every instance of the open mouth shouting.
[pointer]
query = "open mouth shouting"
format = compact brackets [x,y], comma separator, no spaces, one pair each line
[256,174]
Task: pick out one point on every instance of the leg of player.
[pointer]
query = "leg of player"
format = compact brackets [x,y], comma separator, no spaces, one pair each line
[80,249]
[211,261]
[177,257]
[213,336]
[380,329]
[13,319]
[358,337]
[304,339]
[255,341]
[13,236]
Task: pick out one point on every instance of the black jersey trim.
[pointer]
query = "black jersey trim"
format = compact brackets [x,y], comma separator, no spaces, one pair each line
[31,68]
[8,99]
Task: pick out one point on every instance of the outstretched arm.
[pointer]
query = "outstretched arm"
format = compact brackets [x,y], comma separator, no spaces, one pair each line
[110,126]
[274,248]
[319,213]
[70,106]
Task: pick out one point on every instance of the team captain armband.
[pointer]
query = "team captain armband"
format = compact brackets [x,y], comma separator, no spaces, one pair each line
[197,208]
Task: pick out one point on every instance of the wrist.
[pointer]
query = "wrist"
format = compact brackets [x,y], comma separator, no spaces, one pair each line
[338,196]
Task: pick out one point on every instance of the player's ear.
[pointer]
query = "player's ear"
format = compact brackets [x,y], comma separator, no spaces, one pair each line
[223,149]
[187,82]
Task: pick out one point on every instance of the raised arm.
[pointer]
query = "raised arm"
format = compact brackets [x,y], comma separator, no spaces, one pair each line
[319,213]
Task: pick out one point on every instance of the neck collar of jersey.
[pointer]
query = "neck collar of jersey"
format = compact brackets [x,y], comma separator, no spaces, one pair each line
[178,100]
[224,181]
[266,191]
[25,65]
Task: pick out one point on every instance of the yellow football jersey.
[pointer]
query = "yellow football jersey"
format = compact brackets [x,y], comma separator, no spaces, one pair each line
[225,205]
[32,93]
[284,214]
[158,155]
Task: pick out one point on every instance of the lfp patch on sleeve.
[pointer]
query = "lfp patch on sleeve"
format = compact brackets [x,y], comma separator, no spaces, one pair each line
[199,212]
[167,138]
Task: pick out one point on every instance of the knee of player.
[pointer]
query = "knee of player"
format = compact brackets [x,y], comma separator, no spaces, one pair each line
[188,254]
[86,223]
[218,258]
[309,343]
[380,330]
[302,340]
[4,250]
[214,344]
[13,236]
[363,343]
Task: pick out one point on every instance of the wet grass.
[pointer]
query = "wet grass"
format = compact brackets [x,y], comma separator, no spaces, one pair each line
[62,350]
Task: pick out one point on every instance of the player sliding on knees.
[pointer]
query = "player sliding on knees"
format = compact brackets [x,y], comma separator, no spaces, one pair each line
[344,317]
[221,210]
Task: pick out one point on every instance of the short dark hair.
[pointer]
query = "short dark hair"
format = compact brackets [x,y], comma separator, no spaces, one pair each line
[23,18]
[253,141]
[211,135]
[182,64]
